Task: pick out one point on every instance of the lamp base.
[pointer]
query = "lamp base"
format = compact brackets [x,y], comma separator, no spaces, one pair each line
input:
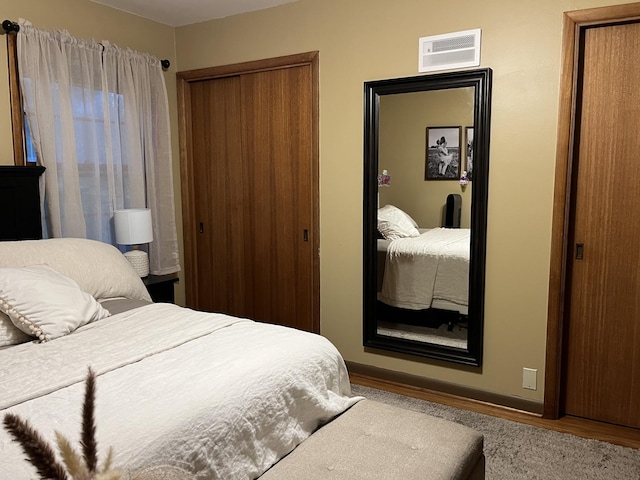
[139,260]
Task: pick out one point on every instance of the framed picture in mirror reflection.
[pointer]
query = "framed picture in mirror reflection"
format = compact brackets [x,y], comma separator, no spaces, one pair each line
[442,159]
[468,166]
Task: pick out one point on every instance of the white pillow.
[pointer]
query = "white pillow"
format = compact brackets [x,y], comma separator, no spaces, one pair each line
[393,223]
[44,303]
[98,268]
[10,334]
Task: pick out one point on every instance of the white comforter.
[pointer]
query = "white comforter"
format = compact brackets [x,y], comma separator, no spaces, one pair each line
[222,397]
[419,271]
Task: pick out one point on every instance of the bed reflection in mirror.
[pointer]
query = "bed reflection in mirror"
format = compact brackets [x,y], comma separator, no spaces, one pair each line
[424,222]
[425,214]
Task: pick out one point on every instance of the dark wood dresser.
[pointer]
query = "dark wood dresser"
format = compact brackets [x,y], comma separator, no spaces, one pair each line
[20,203]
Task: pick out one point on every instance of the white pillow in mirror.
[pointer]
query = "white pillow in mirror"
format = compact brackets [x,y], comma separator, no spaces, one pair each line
[44,303]
[394,223]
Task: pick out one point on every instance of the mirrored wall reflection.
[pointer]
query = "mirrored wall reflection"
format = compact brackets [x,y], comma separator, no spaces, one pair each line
[426,160]
[424,216]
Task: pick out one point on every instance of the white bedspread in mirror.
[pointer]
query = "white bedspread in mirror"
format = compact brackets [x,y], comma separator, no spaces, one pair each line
[430,270]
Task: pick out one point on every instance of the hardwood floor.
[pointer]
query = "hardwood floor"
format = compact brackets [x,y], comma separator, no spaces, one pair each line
[626,437]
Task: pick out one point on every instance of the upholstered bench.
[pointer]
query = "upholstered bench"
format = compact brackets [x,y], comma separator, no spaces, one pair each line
[375,441]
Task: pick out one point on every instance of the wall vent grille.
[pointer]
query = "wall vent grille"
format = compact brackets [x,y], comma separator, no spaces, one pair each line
[449,50]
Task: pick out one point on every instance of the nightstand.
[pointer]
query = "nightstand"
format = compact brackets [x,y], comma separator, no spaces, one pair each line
[160,287]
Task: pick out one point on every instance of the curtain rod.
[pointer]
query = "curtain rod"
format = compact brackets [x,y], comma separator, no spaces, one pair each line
[8,26]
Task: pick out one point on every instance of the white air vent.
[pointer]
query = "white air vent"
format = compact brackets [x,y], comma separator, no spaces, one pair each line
[450,50]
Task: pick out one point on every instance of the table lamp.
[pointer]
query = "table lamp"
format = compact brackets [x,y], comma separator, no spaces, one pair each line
[133,227]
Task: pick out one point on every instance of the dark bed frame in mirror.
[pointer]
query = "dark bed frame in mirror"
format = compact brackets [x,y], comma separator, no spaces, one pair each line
[480,80]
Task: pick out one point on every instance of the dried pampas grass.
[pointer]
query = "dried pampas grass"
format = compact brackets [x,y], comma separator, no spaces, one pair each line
[78,467]
[88,442]
[39,453]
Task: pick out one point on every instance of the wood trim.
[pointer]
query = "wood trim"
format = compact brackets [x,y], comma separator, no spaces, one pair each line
[187,188]
[573,24]
[599,15]
[15,99]
[249,67]
[626,437]
[445,392]
[559,228]
[314,60]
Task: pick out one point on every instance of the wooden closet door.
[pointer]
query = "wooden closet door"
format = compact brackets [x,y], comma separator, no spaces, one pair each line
[219,188]
[249,165]
[603,342]
[277,147]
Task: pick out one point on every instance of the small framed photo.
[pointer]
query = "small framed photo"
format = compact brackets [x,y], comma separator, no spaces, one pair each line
[468,166]
[442,160]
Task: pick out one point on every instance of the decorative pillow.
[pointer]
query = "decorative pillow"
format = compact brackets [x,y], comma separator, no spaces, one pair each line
[44,303]
[10,334]
[98,268]
[394,223]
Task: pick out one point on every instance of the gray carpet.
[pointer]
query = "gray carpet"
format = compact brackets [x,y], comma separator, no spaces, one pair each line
[516,451]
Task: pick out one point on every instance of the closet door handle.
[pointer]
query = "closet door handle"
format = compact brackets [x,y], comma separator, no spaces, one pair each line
[579,251]
[305,235]
[201,228]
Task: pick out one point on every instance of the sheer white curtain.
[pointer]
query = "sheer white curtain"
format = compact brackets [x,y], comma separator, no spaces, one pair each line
[99,122]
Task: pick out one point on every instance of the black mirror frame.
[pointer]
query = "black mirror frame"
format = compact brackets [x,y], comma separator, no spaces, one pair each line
[480,79]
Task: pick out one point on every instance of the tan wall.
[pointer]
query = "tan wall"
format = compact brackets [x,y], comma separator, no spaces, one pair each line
[361,40]
[403,120]
[86,19]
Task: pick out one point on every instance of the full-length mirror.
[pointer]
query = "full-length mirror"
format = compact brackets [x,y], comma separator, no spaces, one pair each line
[425,212]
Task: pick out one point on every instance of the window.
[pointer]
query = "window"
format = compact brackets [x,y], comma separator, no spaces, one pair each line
[97,118]
[29,148]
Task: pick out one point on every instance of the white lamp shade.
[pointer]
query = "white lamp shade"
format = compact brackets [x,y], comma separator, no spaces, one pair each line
[133,226]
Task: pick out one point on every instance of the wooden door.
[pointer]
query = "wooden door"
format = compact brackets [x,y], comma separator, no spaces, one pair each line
[603,337]
[277,142]
[219,189]
[249,158]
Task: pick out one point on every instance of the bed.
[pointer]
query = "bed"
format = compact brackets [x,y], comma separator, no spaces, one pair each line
[218,396]
[420,269]
[427,271]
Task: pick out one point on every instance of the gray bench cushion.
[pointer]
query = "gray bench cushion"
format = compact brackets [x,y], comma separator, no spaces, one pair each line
[373,440]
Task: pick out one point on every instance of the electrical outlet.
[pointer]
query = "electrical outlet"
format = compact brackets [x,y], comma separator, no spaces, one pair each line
[529,378]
